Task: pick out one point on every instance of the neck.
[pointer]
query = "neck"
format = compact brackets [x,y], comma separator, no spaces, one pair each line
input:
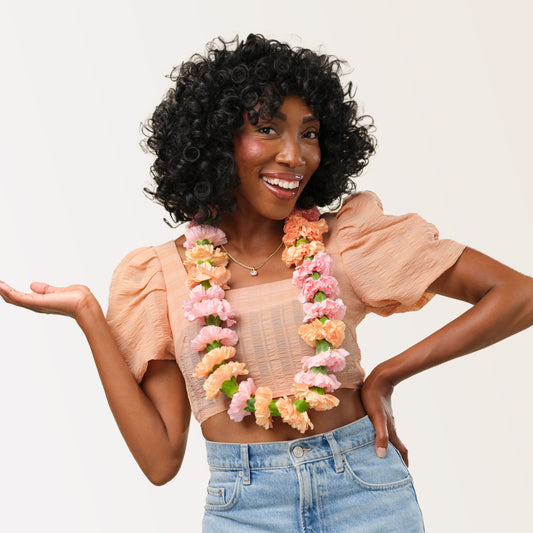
[252,232]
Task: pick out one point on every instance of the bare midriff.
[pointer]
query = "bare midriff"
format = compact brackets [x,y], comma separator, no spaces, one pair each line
[220,428]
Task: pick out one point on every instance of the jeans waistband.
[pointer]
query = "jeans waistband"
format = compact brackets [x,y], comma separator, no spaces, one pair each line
[284,454]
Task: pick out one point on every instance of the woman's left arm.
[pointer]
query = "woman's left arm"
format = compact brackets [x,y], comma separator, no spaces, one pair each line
[502,301]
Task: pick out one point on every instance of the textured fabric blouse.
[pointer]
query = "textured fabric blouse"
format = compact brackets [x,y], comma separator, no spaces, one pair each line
[383,264]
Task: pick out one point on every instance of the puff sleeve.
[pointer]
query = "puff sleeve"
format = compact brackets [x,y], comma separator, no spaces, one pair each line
[138,311]
[390,260]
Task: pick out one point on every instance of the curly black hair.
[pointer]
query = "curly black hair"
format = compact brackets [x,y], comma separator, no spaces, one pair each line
[191,130]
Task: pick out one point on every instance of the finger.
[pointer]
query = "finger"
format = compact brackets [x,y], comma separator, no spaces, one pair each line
[42,288]
[379,420]
[4,287]
[400,446]
[7,292]
[21,299]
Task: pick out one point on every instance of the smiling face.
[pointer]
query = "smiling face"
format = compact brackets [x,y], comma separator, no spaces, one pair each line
[276,158]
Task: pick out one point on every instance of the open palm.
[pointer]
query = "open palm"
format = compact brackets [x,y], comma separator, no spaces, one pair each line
[68,301]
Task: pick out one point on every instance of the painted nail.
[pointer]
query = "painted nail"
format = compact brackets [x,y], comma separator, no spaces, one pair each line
[382,452]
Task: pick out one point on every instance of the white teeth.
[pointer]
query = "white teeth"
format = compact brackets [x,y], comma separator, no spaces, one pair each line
[282,183]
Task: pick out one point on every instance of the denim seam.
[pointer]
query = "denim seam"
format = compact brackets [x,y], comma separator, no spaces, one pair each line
[237,487]
[239,468]
[342,451]
[300,506]
[321,511]
[288,465]
[379,486]
[245,462]
[338,455]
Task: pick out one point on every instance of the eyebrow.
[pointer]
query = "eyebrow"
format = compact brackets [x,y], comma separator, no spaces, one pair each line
[305,120]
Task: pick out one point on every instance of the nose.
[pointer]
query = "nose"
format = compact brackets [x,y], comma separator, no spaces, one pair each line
[290,153]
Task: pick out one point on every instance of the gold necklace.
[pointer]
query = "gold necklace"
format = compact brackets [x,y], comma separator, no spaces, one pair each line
[253,269]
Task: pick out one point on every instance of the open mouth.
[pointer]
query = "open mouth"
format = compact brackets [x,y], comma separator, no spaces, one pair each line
[283,186]
[286,185]
[283,181]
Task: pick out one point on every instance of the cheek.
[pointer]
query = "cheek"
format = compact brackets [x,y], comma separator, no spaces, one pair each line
[247,152]
[313,158]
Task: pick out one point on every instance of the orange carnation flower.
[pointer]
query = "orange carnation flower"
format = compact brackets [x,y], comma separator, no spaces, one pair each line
[205,252]
[317,401]
[332,331]
[217,275]
[321,402]
[297,226]
[213,383]
[263,397]
[291,416]
[213,358]
[295,254]
[299,390]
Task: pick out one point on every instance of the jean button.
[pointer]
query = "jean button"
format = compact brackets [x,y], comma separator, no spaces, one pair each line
[298,451]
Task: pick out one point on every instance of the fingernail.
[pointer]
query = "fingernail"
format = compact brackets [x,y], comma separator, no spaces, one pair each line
[382,452]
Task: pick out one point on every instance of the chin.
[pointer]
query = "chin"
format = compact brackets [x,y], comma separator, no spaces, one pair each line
[279,212]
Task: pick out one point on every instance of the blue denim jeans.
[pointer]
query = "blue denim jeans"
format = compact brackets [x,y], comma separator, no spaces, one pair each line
[332,482]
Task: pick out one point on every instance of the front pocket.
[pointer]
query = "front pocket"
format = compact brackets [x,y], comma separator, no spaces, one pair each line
[224,489]
[375,473]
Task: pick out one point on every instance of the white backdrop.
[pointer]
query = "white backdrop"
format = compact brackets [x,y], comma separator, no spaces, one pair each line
[449,85]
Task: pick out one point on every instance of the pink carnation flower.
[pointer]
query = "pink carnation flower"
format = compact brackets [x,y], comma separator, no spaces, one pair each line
[312,214]
[333,360]
[326,284]
[220,308]
[201,232]
[208,334]
[333,309]
[321,263]
[200,293]
[238,401]
[329,383]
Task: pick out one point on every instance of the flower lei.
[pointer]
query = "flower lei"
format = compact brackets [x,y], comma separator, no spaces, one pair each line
[323,328]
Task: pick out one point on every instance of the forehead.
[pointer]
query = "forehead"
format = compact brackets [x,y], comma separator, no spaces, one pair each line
[295,105]
[292,108]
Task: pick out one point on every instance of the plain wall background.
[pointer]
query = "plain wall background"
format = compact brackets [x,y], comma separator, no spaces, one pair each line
[449,86]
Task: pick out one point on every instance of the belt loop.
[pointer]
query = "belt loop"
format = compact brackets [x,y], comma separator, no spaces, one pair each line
[245,464]
[337,455]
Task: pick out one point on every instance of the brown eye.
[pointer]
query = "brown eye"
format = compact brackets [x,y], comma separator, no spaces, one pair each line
[312,134]
[266,130]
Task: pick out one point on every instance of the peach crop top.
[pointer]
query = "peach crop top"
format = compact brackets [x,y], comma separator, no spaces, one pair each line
[383,264]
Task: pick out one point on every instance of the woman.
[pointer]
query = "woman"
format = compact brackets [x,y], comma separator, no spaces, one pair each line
[247,135]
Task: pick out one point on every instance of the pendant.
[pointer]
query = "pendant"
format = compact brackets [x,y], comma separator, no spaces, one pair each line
[253,272]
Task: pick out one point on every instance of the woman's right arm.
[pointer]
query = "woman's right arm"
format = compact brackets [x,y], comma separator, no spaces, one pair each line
[154,416]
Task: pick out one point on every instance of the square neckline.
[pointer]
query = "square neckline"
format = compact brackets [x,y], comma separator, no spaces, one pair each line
[233,290]
[330,217]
